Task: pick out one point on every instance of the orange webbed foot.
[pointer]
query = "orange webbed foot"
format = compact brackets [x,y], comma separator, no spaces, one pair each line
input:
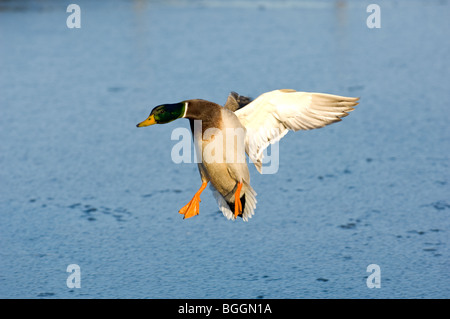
[237,201]
[193,207]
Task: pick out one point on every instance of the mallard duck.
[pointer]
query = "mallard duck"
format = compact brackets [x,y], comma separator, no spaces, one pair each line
[264,120]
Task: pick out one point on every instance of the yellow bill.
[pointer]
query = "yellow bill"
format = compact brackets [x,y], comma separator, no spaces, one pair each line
[149,121]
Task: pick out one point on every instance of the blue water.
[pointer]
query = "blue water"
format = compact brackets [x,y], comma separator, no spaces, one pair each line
[80,184]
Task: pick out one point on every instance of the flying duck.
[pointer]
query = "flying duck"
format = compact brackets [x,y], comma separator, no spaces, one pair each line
[258,123]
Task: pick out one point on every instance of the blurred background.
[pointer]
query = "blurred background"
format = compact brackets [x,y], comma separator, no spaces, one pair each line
[80,184]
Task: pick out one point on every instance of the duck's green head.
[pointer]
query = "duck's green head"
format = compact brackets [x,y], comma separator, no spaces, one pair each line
[165,113]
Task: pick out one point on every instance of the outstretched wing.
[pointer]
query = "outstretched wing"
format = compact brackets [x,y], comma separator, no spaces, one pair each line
[270,116]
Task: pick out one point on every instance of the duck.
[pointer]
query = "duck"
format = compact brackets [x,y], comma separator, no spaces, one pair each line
[258,122]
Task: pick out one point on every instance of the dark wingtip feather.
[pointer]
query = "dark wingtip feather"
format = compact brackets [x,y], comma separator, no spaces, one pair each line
[236,101]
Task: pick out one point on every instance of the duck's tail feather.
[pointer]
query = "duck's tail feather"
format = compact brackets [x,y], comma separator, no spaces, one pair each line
[248,200]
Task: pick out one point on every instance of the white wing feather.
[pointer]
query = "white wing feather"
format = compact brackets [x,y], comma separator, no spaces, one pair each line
[270,116]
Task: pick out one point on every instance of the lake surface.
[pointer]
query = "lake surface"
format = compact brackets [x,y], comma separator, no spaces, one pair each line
[80,184]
